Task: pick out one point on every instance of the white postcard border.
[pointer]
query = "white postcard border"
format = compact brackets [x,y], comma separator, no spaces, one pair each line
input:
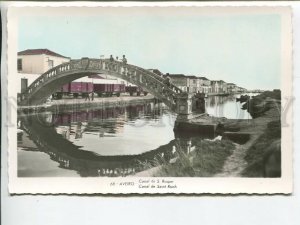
[103,185]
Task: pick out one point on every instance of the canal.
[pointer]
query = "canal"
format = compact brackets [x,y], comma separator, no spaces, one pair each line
[111,141]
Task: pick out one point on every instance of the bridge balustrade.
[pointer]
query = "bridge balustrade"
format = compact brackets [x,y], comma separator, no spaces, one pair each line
[152,82]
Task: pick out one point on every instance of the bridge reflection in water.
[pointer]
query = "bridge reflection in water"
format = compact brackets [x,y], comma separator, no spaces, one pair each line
[57,135]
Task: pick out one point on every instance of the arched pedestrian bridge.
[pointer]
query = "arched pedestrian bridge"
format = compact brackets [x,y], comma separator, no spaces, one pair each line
[177,100]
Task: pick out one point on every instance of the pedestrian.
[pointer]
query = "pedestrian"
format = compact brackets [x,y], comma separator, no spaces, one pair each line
[111,58]
[87,96]
[124,60]
[167,81]
[92,96]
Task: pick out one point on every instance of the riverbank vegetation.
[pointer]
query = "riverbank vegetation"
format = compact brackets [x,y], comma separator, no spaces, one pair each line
[261,103]
[264,155]
[205,160]
[261,154]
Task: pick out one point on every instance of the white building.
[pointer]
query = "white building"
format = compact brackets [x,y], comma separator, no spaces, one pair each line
[38,61]
[192,84]
[204,85]
[34,62]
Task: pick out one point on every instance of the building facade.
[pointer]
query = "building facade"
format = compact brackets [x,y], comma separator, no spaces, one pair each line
[204,85]
[38,61]
[224,87]
[231,88]
[240,90]
[215,86]
[193,84]
[219,87]
[31,63]
[179,80]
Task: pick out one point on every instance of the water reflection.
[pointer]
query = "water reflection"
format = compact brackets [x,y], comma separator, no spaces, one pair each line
[226,106]
[37,137]
[100,142]
[113,141]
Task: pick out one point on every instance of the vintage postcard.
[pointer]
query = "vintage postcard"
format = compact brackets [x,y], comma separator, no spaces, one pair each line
[149,100]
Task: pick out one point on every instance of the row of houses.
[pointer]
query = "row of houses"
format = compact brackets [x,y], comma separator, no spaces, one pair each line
[195,84]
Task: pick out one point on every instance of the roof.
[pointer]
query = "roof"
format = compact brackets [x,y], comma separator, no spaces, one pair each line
[219,81]
[231,83]
[186,76]
[202,78]
[191,76]
[40,52]
[176,75]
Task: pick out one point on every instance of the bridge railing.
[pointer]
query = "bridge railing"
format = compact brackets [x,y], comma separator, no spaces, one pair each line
[145,78]
[118,64]
[170,86]
[48,75]
[134,74]
[160,87]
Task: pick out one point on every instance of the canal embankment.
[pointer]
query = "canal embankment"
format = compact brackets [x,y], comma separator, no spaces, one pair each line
[82,103]
[248,148]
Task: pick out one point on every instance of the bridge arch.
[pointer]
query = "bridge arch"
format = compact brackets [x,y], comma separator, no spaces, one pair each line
[64,73]
[88,163]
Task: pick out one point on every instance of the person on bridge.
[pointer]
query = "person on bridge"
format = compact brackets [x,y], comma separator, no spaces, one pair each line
[111,58]
[124,60]
[167,82]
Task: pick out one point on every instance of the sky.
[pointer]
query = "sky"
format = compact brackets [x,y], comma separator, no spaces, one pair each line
[244,49]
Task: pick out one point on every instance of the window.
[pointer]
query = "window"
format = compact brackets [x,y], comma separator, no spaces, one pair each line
[20,64]
[50,63]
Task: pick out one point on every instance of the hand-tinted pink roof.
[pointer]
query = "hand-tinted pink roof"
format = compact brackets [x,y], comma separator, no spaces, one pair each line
[40,52]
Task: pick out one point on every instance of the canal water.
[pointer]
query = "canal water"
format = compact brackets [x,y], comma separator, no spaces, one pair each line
[111,141]
[227,106]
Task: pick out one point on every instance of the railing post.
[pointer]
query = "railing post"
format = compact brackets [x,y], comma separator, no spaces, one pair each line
[140,77]
[184,106]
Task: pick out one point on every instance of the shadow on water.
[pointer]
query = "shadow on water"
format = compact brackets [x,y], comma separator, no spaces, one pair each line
[51,133]
[87,163]
[66,136]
